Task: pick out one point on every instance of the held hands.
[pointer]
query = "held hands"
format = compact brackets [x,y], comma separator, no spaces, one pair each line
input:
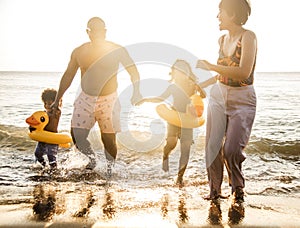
[54,105]
[149,99]
[136,98]
[142,101]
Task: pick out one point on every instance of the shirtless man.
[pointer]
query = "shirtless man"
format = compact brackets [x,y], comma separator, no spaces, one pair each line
[99,62]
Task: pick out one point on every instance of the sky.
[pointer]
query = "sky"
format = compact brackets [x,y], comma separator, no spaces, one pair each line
[39,35]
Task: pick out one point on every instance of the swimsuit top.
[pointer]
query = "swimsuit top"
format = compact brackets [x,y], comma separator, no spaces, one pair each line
[180,98]
[233,60]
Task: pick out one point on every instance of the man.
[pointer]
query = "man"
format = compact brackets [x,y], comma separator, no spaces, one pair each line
[99,62]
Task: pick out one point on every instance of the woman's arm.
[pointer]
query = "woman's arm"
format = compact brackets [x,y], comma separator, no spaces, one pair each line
[208,82]
[249,46]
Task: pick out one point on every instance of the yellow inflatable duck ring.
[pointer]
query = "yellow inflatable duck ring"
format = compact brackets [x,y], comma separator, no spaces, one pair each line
[37,122]
[181,119]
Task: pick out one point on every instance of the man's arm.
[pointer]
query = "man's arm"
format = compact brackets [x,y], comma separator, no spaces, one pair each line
[66,79]
[135,79]
[132,70]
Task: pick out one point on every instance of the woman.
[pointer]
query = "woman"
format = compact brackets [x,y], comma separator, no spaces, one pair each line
[232,104]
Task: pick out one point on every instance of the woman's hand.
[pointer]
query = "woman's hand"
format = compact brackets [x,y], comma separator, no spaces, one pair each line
[203,64]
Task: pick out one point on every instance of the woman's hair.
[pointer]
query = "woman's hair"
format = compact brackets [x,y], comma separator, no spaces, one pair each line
[49,95]
[241,9]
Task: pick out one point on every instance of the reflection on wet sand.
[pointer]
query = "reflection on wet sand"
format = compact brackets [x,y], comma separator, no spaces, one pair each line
[46,203]
[215,213]
[236,213]
[89,202]
[164,205]
[182,210]
[109,207]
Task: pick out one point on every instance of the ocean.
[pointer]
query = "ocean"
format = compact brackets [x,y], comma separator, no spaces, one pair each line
[272,167]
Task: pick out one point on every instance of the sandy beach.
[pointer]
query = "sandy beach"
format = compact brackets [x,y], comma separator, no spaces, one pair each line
[136,208]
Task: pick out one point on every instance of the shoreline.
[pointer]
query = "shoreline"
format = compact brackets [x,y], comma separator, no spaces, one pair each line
[259,211]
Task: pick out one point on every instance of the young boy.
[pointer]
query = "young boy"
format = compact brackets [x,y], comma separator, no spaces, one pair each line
[48,97]
[183,86]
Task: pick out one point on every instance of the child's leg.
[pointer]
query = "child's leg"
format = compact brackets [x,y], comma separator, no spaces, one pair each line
[171,141]
[186,140]
[184,158]
[51,154]
[39,152]
[170,145]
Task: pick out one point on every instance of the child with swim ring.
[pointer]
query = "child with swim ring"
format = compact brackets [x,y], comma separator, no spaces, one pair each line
[48,97]
[183,86]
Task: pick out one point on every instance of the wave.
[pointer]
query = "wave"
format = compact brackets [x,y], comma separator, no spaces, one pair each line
[276,190]
[287,149]
[16,138]
[12,137]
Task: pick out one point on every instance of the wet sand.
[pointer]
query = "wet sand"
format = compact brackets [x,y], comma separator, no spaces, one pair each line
[144,207]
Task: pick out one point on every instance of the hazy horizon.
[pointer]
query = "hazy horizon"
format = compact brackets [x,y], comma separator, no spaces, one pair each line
[40,35]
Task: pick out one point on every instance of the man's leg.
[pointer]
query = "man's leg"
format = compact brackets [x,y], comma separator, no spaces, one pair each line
[110,146]
[110,150]
[79,136]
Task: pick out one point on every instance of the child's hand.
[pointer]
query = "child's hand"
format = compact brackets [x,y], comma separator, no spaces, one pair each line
[55,111]
[190,109]
[140,102]
[54,105]
[198,87]
[151,99]
[136,98]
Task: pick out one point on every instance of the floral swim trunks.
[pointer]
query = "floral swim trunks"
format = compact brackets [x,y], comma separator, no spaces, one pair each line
[102,109]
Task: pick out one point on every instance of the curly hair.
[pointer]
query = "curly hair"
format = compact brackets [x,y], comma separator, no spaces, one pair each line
[49,95]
